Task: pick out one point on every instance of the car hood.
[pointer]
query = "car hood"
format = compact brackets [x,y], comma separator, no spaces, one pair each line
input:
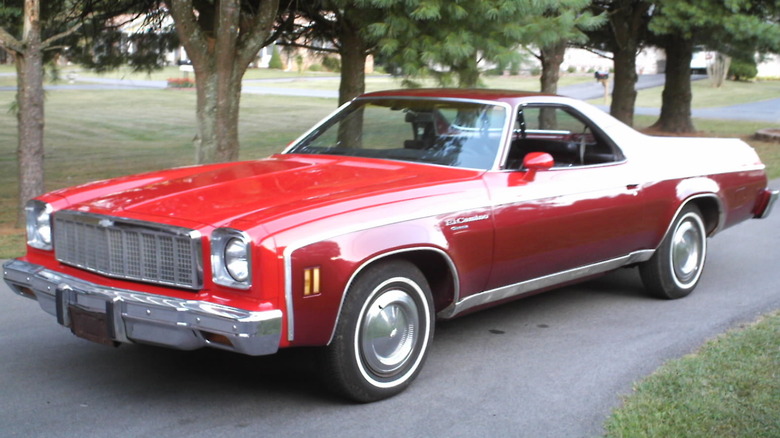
[283,184]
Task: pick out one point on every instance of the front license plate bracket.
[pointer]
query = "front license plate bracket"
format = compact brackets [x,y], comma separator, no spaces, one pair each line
[92,326]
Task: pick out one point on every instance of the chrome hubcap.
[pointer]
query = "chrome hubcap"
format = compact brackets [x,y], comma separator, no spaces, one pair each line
[687,250]
[389,332]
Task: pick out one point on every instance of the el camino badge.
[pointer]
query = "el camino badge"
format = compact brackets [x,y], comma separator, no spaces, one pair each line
[461,223]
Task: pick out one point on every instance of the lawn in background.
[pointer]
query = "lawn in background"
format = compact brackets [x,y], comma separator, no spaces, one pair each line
[707,96]
[102,134]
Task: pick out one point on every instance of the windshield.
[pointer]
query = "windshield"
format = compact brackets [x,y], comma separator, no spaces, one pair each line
[450,133]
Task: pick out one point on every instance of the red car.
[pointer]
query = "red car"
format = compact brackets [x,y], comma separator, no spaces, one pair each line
[400,208]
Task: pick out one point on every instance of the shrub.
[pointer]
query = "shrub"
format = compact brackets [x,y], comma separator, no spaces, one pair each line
[181,83]
[514,68]
[276,60]
[743,69]
[299,62]
[331,63]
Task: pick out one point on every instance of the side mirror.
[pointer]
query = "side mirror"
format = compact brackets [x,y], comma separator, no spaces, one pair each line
[535,161]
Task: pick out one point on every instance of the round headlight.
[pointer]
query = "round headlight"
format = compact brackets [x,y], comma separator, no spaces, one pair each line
[237,259]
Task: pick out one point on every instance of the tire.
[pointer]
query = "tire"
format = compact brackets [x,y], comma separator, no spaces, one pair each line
[383,334]
[676,267]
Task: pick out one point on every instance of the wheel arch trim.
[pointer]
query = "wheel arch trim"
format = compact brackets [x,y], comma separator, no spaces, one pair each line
[391,254]
[713,218]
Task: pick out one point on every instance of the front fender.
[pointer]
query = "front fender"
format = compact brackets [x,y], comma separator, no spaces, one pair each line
[320,273]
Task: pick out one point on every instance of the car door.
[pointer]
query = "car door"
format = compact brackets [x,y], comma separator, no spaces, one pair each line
[584,211]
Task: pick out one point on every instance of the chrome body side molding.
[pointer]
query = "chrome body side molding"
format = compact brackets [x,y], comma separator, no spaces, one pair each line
[528,286]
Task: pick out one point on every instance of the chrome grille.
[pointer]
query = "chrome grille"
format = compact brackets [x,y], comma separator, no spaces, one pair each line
[128,249]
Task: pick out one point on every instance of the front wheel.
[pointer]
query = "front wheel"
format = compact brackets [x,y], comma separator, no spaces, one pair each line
[383,333]
[675,268]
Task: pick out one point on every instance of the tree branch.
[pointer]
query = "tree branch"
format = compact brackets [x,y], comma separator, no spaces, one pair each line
[46,43]
[190,34]
[9,42]
[226,31]
[309,47]
[252,41]
[595,52]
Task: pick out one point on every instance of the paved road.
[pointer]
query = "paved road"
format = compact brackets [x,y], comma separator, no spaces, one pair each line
[553,365]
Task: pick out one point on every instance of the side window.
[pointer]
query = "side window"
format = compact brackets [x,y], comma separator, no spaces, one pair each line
[562,133]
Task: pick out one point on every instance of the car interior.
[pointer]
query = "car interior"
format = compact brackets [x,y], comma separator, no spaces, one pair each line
[562,134]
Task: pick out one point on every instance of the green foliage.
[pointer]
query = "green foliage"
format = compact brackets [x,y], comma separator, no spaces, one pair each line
[331,63]
[276,60]
[98,42]
[733,27]
[451,40]
[514,68]
[743,69]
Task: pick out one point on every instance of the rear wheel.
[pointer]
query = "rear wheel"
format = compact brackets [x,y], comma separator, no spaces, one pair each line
[675,268]
[383,333]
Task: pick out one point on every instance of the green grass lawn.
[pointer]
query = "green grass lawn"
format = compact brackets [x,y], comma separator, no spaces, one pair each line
[102,134]
[729,388]
[384,82]
[707,96]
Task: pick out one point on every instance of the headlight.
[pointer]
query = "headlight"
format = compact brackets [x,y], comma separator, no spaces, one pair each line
[38,224]
[237,259]
[231,258]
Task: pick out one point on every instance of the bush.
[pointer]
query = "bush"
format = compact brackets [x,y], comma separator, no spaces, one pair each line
[331,63]
[498,71]
[743,69]
[514,68]
[181,83]
[276,60]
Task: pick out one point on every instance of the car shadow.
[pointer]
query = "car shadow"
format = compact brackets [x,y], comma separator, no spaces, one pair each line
[141,372]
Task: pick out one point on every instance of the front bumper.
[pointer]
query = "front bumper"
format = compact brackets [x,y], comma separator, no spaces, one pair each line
[109,315]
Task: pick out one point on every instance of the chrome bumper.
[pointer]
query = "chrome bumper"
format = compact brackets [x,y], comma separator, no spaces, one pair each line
[110,315]
[770,198]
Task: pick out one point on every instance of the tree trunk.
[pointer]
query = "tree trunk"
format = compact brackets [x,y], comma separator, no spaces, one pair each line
[468,73]
[623,89]
[221,42]
[628,23]
[718,69]
[676,103]
[552,58]
[29,98]
[219,97]
[353,64]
